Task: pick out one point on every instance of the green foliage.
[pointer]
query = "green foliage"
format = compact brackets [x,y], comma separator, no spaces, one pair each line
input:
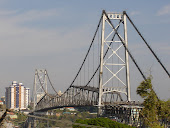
[20,119]
[154,109]
[144,88]
[87,109]
[64,120]
[58,110]
[103,122]
[164,110]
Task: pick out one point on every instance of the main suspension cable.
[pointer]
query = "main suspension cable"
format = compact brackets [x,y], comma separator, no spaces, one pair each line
[88,50]
[44,89]
[103,56]
[51,83]
[147,44]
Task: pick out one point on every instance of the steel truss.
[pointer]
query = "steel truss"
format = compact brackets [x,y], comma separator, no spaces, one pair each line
[124,113]
[105,86]
[40,85]
[75,96]
[106,93]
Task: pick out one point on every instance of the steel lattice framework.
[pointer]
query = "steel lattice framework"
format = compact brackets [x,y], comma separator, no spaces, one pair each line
[113,71]
[40,85]
[106,41]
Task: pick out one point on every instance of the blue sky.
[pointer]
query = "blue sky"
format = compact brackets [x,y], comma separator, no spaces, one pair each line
[52,34]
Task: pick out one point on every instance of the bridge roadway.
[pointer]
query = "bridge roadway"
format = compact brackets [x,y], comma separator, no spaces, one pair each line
[76,96]
[82,96]
[104,93]
[123,112]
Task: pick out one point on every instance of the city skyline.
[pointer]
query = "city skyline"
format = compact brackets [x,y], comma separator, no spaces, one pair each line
[49,35]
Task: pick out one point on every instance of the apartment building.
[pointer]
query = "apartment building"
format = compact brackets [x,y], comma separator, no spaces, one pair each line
[17,96]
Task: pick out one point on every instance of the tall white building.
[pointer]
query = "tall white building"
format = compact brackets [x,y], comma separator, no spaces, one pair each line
[27,97]
[9,97]
[17,96]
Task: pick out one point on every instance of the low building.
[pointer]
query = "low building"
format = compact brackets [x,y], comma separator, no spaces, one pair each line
[58,114]
[70,108]
[1,102]
[3,99]
[12,115]
[60,93]
[66,112]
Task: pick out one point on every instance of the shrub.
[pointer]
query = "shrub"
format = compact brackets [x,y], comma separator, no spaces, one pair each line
[103,122]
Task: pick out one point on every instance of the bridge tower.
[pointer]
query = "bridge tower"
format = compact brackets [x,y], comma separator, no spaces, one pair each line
[40,85]
[116,62]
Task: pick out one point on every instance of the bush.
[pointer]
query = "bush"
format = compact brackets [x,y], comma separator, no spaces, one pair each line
[103,122]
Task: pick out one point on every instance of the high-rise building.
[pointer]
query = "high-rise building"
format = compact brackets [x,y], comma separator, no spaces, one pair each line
[27,97]
[17,96]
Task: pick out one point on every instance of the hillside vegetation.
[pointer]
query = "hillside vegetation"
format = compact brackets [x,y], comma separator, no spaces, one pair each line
[103,122]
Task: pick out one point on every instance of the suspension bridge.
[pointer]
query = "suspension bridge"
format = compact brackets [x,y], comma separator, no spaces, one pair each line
[103,77]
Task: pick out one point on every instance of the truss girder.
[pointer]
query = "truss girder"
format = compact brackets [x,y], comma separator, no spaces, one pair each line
[77,96]
[109,89]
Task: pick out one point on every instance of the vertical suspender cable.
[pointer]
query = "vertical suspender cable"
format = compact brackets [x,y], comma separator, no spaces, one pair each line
[88,50]
[103,56]
[93,65]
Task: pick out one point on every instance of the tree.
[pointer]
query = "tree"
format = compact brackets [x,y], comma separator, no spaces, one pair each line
[164,111]
[154,109]
[103,122]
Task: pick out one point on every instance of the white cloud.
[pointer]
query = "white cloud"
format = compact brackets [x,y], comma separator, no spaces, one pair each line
[23,41]
[164,10]
[33,15]
[134,13]
[19,41]
[7,12]
[164,49]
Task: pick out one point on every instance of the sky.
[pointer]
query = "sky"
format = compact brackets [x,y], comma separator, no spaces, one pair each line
[55,35]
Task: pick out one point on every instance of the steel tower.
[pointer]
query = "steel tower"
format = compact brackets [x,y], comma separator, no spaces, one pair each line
[110,39]
[40,85]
